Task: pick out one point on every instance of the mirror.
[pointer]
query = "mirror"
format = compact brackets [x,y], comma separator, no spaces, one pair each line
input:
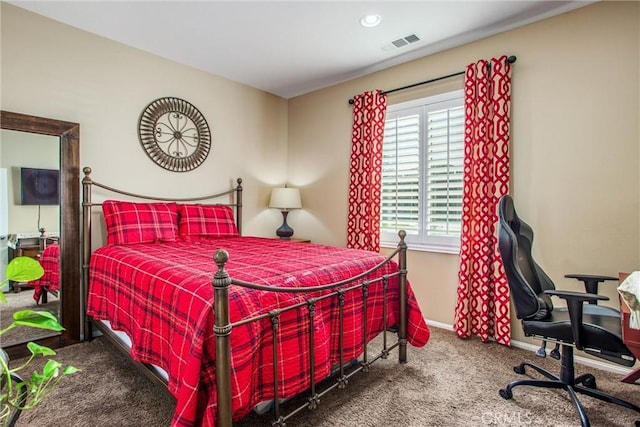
[31,162]
[67,135]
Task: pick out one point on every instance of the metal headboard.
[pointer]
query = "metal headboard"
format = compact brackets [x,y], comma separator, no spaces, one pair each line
[87,205]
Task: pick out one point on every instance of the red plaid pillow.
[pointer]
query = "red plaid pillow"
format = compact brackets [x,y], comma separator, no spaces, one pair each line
[129,222]
[206,221]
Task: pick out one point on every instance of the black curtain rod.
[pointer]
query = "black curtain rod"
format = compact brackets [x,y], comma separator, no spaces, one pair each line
[510,60]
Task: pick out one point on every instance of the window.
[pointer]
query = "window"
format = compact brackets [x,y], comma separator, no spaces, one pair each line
[422,165]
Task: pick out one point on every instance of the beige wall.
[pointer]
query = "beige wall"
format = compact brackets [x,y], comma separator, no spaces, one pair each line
[17,150]
[575,146]
[53,70]
[575,136]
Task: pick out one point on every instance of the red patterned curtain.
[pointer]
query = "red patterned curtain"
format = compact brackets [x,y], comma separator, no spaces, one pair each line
[363,220]
[482,306]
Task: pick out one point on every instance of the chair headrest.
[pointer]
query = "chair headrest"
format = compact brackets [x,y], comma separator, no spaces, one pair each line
[527,281]
[507,213]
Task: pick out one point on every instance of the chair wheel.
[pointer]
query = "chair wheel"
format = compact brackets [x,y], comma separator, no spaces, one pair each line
[590,382]
[505,393]
[518,369]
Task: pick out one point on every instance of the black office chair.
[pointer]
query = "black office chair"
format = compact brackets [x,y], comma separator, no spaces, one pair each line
[594,329]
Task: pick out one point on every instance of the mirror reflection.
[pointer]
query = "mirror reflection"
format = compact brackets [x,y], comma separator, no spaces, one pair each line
[29,224]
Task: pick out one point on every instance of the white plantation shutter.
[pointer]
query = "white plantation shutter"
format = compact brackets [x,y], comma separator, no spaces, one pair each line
[422,165]
[445,157]
[401,175]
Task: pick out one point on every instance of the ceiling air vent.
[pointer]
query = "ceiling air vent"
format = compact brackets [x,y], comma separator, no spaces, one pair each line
[404,41]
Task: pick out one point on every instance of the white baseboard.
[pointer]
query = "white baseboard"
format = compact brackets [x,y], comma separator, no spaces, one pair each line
[621,370]
[439,325]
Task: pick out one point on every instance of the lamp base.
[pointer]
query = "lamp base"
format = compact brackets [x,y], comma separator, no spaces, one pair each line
[284,232]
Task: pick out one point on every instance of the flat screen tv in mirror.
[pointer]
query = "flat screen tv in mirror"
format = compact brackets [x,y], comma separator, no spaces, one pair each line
[40,186]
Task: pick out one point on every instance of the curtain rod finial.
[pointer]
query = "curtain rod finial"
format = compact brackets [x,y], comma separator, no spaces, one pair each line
[511,59]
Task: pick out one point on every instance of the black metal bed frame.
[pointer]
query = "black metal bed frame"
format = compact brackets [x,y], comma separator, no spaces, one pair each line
[223,327]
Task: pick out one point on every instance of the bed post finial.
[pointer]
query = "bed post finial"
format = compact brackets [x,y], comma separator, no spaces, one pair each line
[222,329]
[221,257]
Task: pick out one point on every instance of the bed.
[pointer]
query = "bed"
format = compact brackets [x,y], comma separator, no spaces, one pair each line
[232,323]
[50,282]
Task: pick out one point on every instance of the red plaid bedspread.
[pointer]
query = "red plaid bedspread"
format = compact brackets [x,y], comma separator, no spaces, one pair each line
[161,296]
[50,261]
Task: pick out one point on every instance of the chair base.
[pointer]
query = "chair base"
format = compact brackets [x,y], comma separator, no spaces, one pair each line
[585,384]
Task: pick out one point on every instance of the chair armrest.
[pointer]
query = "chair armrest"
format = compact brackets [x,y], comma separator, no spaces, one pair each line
[575,301]
[590,281]
[575,296]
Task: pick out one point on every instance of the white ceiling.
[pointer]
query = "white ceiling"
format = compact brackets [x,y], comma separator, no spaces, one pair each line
[289,48]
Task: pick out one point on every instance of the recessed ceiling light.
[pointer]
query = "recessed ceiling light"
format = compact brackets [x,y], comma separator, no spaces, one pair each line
[369,21]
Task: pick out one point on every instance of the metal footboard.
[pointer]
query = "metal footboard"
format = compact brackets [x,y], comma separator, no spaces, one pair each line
[223,329]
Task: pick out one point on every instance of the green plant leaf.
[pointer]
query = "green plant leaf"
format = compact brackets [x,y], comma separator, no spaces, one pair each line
[40,350]
[25,314]
[37,319]
[24,269]
[3,298]
[36,379]
[51,368]
[70,370]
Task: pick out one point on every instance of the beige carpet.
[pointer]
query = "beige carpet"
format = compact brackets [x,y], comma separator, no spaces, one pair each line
[450,382]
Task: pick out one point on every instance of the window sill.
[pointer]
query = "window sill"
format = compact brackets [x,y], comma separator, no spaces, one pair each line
[424,248]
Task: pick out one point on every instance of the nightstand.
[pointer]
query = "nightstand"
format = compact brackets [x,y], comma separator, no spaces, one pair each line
[297,240]
[293,240]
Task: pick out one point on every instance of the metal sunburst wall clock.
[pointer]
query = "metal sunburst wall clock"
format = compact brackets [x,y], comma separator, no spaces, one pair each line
[174,134]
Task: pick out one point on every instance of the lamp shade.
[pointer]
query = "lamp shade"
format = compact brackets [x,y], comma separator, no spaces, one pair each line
[285,198]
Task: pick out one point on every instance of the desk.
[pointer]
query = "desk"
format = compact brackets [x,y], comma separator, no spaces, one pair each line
[30,245]
[631,337]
